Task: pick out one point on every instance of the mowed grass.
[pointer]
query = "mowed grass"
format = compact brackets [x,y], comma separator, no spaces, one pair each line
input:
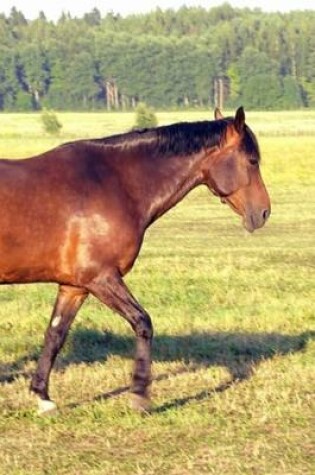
[233,389]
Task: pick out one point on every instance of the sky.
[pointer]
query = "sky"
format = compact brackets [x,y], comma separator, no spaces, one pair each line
[54,8]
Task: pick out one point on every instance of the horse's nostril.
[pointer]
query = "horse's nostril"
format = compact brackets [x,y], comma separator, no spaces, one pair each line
[266,214]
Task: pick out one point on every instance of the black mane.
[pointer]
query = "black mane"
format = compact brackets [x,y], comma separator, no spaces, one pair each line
[184,138]
[250,146]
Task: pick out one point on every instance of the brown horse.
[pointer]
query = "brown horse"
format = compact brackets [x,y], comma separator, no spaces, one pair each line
[77,215]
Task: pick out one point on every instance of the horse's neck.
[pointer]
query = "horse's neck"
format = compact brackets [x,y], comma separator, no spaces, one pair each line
[173,179]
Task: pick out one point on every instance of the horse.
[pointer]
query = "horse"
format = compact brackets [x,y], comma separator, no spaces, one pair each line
[76,216]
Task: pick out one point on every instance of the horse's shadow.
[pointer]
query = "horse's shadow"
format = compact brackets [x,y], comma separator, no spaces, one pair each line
[239,352]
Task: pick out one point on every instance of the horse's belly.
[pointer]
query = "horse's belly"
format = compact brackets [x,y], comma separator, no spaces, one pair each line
[22,264]
[72,250]
[28,251]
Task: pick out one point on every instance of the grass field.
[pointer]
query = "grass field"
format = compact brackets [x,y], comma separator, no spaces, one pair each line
[234,318]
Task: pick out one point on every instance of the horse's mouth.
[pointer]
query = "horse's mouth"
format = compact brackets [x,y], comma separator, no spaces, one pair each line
[248,224]
[248,221]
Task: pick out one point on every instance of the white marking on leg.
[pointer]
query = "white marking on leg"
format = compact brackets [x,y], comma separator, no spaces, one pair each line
[45,406]
[56,321]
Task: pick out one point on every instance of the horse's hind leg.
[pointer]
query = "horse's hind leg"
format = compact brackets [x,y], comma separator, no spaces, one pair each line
[68,302]
[112,291]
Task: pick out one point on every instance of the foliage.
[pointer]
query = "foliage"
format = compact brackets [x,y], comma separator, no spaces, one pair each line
[168,59]
[23,101]
[50,122]
[233,355]
[145,116]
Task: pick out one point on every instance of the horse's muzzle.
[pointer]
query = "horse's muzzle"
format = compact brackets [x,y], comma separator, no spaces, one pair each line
[256,220]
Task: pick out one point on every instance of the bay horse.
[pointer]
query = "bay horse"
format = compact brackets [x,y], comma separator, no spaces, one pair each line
[76,216]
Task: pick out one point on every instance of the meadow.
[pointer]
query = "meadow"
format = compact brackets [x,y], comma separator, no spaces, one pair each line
[234,318]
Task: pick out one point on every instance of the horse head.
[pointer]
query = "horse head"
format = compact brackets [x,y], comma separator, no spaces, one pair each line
[233,172]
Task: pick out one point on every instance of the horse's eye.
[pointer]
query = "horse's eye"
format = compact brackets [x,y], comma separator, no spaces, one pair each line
[254,161]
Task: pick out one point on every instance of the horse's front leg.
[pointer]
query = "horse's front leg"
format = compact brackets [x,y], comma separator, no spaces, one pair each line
[112,291]
[68,302]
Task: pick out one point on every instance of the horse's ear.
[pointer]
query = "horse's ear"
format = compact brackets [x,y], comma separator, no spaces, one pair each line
[218,114]
[239,120]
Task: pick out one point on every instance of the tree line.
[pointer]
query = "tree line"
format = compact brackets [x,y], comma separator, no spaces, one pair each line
[191,57]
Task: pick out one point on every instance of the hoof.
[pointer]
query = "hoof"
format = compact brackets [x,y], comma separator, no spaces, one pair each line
[46,408]
[141,404]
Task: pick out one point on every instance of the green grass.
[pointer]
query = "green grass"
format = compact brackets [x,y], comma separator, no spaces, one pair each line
[234,332]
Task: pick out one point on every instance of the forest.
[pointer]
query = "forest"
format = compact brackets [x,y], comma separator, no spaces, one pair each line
[169,59]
